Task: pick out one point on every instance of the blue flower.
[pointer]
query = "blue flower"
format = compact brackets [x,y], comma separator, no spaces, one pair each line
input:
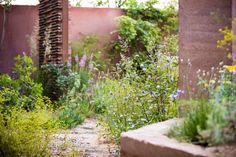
[173,96]
[179,92]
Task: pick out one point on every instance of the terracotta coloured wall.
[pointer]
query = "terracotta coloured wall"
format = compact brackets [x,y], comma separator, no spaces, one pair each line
[20,23]
[99,21]
[199,22]
[234,27]
[82,21]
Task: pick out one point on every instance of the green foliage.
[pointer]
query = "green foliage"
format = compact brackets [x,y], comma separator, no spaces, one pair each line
[137,32]
[58,80]
[194,122]
[144,27]
[164,18]
[102,94]
[23,70]
[21,90]
[107,3]
[49,77]
[214,121]
[25,133]
[135,36]
[73,113]
[140,95]
[75,103]
[222,119]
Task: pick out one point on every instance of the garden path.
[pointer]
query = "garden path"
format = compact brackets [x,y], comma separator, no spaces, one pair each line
[83,141]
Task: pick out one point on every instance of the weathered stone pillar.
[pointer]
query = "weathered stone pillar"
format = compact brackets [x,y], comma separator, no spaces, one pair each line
[53,31]
[200,21]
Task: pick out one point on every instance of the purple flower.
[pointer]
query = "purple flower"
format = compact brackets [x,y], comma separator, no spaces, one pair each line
[230,59]
[76,58]
[179,92]
[83,61]
[176,94]
[23,53]
[91,66]
[234,72]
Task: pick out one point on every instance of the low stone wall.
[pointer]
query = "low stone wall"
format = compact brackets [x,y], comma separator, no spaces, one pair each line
[152,141]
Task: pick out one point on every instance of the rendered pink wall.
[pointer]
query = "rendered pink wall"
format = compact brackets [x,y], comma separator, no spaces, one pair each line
[82,21]
[20,23]
[99,21]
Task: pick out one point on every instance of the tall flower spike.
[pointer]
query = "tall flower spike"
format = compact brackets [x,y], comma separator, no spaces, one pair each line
[83,61]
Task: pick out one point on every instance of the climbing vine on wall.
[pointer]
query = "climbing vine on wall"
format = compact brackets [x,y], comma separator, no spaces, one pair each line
[144,26]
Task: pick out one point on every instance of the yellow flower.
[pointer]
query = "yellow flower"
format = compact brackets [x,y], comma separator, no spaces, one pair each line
[205,85]
[229,55]
[231,68]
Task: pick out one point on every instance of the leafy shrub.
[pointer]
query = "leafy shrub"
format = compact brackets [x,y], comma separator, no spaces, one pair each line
[164,18]
[143,27]
[55,79]
[25,133]
[135,36]
[75,104]
[58,79]
[26,121]
[21,90]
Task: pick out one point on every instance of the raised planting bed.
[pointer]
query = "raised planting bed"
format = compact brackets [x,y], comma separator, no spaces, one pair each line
[152,141]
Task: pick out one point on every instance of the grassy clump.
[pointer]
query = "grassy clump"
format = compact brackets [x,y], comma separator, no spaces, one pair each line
[195,121]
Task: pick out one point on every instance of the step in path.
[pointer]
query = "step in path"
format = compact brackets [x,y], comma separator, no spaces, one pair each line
[83,141]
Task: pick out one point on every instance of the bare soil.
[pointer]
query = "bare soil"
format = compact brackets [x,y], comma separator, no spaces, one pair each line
[228,150]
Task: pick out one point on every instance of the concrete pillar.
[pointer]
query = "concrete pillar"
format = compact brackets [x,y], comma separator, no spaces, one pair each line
[200,22]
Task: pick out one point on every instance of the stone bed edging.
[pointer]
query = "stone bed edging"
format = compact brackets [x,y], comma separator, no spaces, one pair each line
[152,141]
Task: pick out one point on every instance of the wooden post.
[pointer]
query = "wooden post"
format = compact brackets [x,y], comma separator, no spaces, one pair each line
[53,31]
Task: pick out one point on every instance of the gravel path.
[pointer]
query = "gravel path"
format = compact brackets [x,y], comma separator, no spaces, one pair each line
[83,141]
